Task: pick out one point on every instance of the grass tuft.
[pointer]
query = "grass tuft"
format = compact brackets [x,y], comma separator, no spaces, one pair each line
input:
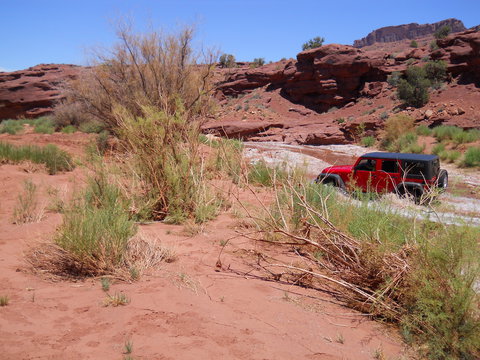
[55,160]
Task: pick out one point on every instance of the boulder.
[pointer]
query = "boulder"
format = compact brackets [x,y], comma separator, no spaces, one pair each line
[32,92]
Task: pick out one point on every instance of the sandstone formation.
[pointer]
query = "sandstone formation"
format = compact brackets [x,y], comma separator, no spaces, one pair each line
[407,31]
[32,92]
[462,53]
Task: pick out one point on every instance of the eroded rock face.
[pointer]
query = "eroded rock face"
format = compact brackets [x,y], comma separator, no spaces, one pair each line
[462,53]
[407,31]
[32,92]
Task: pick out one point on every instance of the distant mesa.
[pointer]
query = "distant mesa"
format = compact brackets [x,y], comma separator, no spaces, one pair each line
[407,32]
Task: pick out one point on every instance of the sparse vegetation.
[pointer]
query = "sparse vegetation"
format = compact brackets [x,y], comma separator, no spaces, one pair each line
[417,273]
[413,44]
[4,300]
[413,90]
[443,32]
[316,42]
[367,141]
[105,283]
[44,125]
[423,130]
[471,157]
[26,210]
[55,160]
[11,127]
[227,61]
[258,62]
[118,299]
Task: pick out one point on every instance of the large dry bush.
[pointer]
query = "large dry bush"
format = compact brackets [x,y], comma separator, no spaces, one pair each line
[156,69]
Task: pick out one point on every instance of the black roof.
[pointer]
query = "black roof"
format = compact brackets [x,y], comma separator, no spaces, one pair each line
[400,156]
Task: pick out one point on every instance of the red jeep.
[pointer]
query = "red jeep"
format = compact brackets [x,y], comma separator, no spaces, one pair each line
[382,172]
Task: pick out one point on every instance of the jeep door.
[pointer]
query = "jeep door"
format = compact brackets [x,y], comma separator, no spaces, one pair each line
[388,176]
[365,173]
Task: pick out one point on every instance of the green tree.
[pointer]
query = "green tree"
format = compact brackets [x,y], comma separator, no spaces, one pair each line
[436,71]
[443,32]
[313,43]
[414,44]
[227,61]
[413,90]
[258,62]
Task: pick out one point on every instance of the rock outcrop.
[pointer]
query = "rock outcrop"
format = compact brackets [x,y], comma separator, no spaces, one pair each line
[462,54]
[32,92]
[407,31]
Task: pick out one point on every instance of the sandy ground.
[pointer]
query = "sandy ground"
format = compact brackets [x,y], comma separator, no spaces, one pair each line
[182,310]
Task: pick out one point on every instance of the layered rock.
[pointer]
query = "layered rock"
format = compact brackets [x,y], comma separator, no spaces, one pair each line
[407,31]
[32,92]
[462,54]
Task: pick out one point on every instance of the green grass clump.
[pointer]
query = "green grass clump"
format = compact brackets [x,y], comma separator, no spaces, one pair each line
[44,125]
[406,143]
[261,174]
[423,130]
[69,129]
[96,229]
[446,132]
[471,157]
[367,141]
[11,127]
[54,159]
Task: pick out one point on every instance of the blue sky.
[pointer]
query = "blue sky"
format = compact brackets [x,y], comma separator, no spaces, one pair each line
[54,31]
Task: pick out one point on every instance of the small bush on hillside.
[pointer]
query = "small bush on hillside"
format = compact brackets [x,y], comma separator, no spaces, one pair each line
[258,62]
[367,141]
[227,61]
[442,32]
[396,126]
[413,44]
[313,43]
[438,148]
[433,45]
[70,113]
[436,71]
[471,157]
[394,78]
[69,129]
[11,127]
[54,159]
[423,130]
[414,89]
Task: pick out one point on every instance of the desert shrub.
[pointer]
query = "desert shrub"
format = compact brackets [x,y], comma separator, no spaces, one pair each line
[384,115]
[227,61]
[72,113]
[438,148]
[258,62]
[419,274]
[433,45]
[158,70]
[92,127]
[436,71]
[54,159]
[313,43]
[367,141]
[11,127]
[396,126]
[69,129]
[394,78]
[44,125]
[96,229]
[449,155]
[413,90]
[423,130]
[260,173]
[471,157]
[101,142]
[413,44]
[406,143]
[446,132]
[465,137]
[228,157]
[165,154]
[442,32]
[26,210]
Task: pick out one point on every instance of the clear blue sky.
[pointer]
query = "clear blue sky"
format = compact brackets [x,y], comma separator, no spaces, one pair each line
[62,31]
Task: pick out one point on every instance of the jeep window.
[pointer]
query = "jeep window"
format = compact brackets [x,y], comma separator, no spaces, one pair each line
[415,169]
[366,165]
[390,166]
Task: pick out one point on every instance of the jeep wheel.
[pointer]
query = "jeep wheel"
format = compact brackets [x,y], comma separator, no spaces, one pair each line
[443,179]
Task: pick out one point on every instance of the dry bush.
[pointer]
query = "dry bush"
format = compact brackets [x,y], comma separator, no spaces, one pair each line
[27,209]
[142,254]
[156,69]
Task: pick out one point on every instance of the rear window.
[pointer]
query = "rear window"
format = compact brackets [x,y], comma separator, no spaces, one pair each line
[416,169]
